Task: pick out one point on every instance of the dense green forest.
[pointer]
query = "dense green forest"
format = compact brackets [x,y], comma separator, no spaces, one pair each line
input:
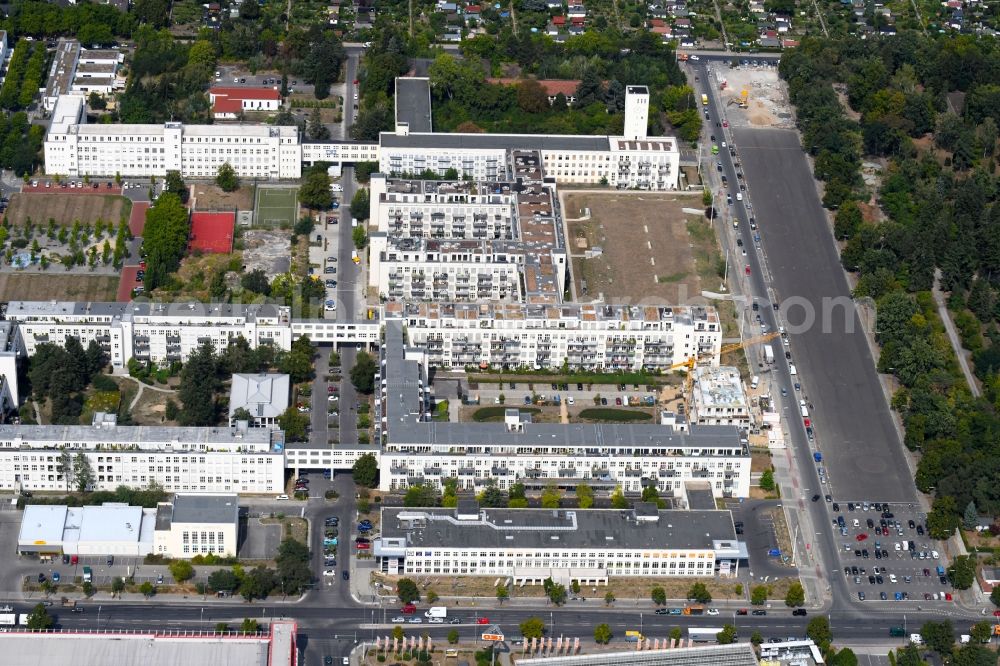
[936,212]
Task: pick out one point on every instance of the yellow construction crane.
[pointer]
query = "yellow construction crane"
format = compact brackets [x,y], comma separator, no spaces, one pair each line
[692,361]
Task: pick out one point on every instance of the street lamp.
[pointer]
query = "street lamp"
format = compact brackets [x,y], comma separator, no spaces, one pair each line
[202,621]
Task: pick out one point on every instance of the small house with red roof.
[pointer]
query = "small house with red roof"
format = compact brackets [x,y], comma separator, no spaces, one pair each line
[229,103]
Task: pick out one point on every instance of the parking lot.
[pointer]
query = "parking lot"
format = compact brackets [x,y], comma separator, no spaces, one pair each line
[886,554]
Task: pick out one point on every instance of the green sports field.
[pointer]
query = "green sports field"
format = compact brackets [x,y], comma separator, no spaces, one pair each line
[276,206]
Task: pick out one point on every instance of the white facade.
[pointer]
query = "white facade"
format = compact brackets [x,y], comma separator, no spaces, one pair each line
[719,398]
[110,529]
[197,525]
[97,71]
[591,337]
[339,152]
[636,112]
[530,545]
[254,151]
[179,459]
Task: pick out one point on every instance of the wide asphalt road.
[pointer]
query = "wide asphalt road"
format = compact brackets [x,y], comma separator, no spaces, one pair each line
[853,425]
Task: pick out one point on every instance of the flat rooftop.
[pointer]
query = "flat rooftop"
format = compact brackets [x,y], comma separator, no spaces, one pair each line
[206,509]
[548,528]
[182,438]
[113,649]
[413,103]
[495,141]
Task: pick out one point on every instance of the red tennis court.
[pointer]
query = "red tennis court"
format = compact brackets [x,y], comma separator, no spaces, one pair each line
[212,232]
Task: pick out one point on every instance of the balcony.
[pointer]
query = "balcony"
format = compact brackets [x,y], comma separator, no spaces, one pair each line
[500,471]
[466,471]
[432,471]
[399,470]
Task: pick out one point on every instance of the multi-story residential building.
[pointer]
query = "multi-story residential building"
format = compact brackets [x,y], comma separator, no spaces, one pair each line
[469,241]
[223,459]
[159,332]
[668,455]
[593,337]
[631,161]
[719,398]
[80,149]
[532,545]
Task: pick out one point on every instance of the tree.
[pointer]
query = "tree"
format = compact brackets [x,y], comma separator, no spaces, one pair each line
[363,373]
[767,480]
[658,595]
[420,495]
[407,591]
[939,636]
[361,205]
[699,592]
[618,500]
[550,497]
[995,596]
[584,495]
[844,657]
[556,592]
[971,517]
[758,595]
[962,572]
[818,630]
[360,236]
[942,521]
[292,566]
[727,635]
[175,184]
[256,281]
[164,238]
[397,633]
[226,178]
[257,583]
[181,570]
[981,632]
[502,593]
[117,585]
[973,655]
[223,580]
[315,192]
[198,387]
[609,598]
[491,497]
[83,473]
[796,595]
[147,589]
[365,471]
[676,633]
[316,130]
[756,638]
[249,626]
[531,96]
[533,627]
[602,634]
[39,619]
[453,636]
[294,423]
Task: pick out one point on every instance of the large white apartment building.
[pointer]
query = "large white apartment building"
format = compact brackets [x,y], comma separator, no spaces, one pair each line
[75,148]
[589,336]
[532,545]
[631,161]
[469,241]
[159,332]
[668,455]
[223,459]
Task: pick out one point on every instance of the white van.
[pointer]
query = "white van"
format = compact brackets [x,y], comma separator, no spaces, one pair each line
[791,369]
[755,381]
[805,412]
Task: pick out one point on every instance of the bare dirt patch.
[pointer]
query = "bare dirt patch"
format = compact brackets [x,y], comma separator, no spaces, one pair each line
[767,96]
[647,252]
[55,286]
[266,250]
[67,208]
[207,196]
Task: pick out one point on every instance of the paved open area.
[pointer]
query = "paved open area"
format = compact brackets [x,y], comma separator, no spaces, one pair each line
[854,429]
[640,248]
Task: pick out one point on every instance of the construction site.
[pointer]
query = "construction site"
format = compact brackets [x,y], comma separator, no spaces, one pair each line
[753,96]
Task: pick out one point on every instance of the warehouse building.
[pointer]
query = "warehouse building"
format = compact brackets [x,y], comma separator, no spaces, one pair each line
[276,646]
[530,545]
[188,525]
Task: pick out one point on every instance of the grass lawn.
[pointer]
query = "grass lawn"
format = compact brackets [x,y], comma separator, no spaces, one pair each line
[614,415]
[496,412]
[99,401]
